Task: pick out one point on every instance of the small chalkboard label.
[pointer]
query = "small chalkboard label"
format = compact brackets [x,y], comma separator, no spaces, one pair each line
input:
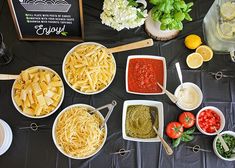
[58,20]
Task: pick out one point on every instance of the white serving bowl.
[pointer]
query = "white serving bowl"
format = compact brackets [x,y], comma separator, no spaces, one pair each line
[197,89]
[215,149]
[64,74]
[150,57]
[54,134]
[6,133]
[43,116]
[221,115]
[156,104]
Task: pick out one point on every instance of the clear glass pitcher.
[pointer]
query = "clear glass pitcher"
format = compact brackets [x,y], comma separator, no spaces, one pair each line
[219,27]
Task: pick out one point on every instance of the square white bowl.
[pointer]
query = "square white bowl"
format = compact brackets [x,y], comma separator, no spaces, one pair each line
[156,104]
[150,57]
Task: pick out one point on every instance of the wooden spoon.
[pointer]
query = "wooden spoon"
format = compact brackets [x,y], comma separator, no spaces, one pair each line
[8,77]
[132,46]
[224,145]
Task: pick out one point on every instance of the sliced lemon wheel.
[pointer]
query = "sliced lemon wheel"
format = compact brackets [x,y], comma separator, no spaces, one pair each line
[194,60]
[206,52]
[227,10]
[226,30]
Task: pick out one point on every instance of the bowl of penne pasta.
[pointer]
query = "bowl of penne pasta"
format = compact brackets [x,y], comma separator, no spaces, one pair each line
[37,92]
[89,68]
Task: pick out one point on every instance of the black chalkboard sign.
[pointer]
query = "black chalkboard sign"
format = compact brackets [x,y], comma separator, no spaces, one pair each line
[59,20]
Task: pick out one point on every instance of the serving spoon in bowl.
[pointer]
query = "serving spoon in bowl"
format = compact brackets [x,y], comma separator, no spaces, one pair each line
[167,148]
[172,97]
[223,143]
[179,72]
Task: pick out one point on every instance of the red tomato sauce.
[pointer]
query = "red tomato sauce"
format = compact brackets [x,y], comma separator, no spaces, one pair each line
[143,75]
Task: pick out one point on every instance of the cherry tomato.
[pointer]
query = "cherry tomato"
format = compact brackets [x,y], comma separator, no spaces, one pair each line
[187,119]
[174,130]
[208,119]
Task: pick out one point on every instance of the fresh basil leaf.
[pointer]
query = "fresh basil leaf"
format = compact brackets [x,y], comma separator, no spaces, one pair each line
[190,4]
[187,138]
[140,15]
[190,131]
[168,7]
[188,10]
[163,26]
[166,20]
[179,16]
[155,2]
[176,6]
[188,17]
[176,142]
[162,7]
[156,14]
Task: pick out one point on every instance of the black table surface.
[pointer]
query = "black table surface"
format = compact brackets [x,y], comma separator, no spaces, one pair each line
[37,150]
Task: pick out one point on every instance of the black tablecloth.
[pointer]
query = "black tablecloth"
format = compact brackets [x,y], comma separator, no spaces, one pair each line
[37,150]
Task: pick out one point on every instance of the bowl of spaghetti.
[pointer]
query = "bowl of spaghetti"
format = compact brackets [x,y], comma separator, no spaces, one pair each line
[77,134]
[88,68]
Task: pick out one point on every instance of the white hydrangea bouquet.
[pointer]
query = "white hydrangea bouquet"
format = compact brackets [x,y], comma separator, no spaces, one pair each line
[121,14]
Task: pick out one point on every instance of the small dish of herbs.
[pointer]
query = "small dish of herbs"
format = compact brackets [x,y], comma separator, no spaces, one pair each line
[230,141]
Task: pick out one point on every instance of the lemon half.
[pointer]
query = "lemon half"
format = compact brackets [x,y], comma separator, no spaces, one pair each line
[194,60]
[206,52]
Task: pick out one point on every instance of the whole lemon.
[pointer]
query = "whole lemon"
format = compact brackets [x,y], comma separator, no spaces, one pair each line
[192,41]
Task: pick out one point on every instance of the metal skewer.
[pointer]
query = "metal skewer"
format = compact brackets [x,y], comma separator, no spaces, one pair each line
[121,152]
[33,127]
[197,148]
[219,75]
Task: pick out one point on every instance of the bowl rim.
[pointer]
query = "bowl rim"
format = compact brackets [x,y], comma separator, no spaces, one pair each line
[150,57]
[219,112]
[156,104]
[48,114]
[215,149]
[195,87]
[64,74]
[8,137]
[54,126]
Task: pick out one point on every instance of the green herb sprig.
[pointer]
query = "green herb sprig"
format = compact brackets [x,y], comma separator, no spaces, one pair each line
[185,137]
[171,13]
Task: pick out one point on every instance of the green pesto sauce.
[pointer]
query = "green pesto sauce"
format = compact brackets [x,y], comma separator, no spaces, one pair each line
[139,123]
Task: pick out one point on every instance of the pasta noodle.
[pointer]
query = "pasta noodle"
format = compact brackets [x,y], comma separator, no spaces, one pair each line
[78,133]
[89,68]
[38,91]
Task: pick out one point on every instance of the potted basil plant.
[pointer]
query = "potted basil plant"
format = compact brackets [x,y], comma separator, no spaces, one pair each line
[164,20]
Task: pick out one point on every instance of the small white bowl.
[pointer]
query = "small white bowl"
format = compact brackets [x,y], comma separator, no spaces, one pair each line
[150,57]
[6,133]
[64,74]
[221,115]
[215,149]
[43,116]
[54,127]
[197,89]
[156,104]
